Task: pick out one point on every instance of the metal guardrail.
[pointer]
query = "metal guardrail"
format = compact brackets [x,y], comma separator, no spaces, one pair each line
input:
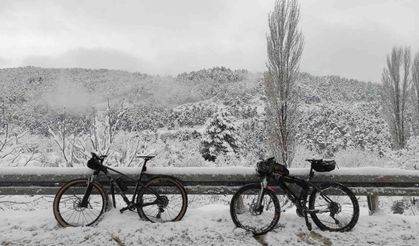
[370,182]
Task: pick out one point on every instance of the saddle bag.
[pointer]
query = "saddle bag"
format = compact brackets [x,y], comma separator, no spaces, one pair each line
[323,165]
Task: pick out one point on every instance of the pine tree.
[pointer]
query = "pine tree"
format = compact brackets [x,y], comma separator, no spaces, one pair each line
[219,136]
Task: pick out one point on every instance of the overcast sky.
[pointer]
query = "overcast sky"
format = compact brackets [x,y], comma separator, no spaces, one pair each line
[349,38]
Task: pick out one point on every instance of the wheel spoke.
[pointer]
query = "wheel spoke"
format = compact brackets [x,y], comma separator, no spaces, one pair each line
[172,202]
[342,207]
[67,205]
[245,214]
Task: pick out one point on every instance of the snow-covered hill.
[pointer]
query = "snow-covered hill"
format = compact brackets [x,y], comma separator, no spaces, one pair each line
[338,113]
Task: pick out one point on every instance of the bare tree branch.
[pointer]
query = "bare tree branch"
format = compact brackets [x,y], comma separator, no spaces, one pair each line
[5,137]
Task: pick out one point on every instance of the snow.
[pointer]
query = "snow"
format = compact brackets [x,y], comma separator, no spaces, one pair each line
[364,171]
[204,225]
[239,170]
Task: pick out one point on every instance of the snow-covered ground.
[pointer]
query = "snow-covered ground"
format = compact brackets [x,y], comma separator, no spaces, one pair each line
[34,224]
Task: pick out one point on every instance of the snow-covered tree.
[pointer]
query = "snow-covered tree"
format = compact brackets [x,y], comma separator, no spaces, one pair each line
[328,128]
[285,46]
[254,132]
[103,128]
[219,136]
[396,79]
[66,130]
[415,92]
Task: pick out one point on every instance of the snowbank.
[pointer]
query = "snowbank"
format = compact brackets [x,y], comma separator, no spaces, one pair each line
[364,171]
[207,225]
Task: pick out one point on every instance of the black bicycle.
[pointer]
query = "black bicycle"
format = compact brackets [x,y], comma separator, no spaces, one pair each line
[331,206]
[82,202]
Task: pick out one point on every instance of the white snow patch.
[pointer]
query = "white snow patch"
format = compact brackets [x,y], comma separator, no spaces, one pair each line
[373,171]
[206,225]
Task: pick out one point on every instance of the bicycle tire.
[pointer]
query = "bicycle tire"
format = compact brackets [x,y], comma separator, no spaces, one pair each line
[332,223]
[237,209]
[67,200]
[162,212]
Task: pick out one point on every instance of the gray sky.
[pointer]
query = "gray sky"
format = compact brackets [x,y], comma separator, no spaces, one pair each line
[349,38]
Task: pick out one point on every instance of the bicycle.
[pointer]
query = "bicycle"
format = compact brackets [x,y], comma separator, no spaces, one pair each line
[82,202]
[331,206]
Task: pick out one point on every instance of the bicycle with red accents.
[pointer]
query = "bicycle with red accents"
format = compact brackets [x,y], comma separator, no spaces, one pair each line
[331,206]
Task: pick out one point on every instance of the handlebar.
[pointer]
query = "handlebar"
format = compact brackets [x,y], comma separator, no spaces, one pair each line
[102,157]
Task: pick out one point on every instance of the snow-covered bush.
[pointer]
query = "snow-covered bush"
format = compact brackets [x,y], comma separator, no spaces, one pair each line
[144,117]
[219,136]
[327,128]
[353,157]
[189,116]
[217,74]
[407,158]
[301,154]
[406,205]
[253,138]
[17,147]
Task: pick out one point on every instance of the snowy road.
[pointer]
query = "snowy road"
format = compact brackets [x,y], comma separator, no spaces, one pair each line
[207,225]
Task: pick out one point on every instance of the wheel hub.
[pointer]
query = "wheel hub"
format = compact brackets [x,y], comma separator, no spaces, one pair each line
[254,209]
[163,201]
[77,205]
[335,208]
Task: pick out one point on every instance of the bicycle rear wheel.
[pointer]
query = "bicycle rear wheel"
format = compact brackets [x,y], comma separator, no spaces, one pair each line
[67,201]
[246,215]
[162,199]
[337,207]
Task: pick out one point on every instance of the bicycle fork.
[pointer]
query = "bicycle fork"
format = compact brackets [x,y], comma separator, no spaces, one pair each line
[85,201]
[259,206]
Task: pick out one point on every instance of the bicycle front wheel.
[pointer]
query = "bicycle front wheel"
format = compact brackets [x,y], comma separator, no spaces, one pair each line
[248,215]
[67,204]
[335,207]
[162,199]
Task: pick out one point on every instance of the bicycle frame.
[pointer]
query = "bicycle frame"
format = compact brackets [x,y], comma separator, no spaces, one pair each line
[300,200]
[130,204]
[314,200]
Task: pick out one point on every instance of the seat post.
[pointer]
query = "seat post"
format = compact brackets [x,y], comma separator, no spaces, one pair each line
[144,165]
[311,173]
[144,168]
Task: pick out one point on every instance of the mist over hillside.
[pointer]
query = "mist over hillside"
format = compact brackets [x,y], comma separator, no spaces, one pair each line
[338,113]
[75,88]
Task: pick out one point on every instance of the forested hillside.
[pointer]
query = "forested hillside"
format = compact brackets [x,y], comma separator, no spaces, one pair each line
[57,116]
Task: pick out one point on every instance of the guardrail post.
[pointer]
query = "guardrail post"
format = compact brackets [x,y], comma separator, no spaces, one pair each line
[373,203]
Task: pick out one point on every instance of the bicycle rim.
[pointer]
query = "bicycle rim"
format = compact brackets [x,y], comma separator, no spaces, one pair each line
[340,206]
[245,214]
[67,209]
[167,197]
